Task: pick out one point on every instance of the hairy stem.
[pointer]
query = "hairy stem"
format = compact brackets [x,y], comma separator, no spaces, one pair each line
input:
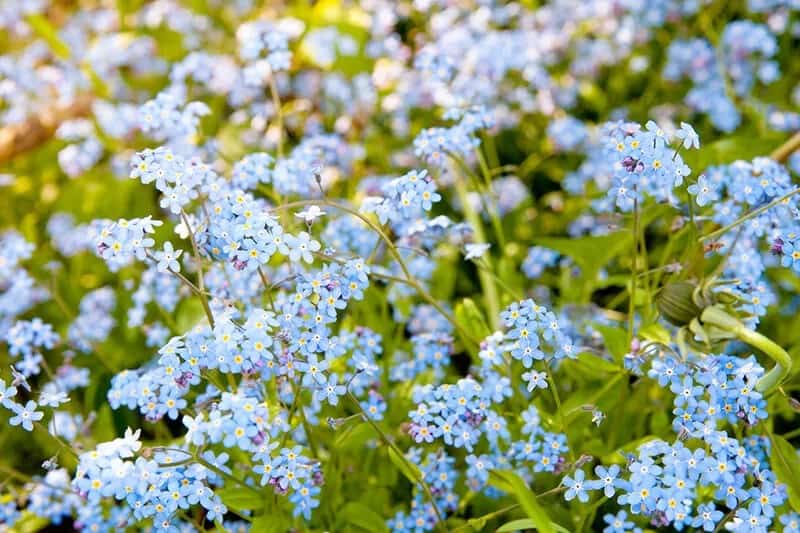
[716,317]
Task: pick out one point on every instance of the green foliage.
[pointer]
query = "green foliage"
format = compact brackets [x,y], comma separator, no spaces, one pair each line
[362,516]
[786,465]
[513,484]
[241,498]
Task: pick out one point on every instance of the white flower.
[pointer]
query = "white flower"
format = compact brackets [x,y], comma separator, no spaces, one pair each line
[474,251]
[121,448]
[311,214]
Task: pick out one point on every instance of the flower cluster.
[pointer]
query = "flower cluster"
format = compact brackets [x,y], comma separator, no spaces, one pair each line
[645,164]
[119,243]
[404,198]
[451,413]
[743,59]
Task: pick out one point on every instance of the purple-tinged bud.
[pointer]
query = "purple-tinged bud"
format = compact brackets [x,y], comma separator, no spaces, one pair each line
[777,246]
[636,345]
[629,164]
[184,379]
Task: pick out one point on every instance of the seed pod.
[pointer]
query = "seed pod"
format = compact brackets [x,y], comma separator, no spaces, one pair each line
[676,303]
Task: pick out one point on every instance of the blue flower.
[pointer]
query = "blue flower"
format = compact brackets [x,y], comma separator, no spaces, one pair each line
[302,247]
[790,255]
[7,395]
[686,392]
[330,390]
[704,191]
[751,520]
[617,523]
[535,379]
[25,415]
[707,517]
[791,523]
[167,259]
[607,479]
[689,136]
[576,488]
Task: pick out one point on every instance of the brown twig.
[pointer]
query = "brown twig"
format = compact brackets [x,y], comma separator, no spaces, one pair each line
[19,138]
[782,153]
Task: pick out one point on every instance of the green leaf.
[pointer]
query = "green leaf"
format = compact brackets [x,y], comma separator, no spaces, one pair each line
[786,465]
[104,425]
[408,469]
[29,523]
[618,455]
[616,340]
[656,333]
[46,31]
[189,312]
[525,523]
[516,525]
[359,514]
[445,275]
[99,86]
[240,499]
[498,481]
[353,436]
[269,523]
[471,319]
[590,253]
[745,146]
[525,497]
[597,363]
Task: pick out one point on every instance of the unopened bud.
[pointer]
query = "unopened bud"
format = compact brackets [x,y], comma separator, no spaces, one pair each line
[795,404]
[675,302]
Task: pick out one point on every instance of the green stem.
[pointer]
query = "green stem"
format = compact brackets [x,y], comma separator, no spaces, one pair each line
[487,283]
[200,294]
[504,510]
[486,199]
[200,280]
[306,426]
[389,442]
[559,409]
[634,268]
[226,476]
[493,214]
[748,216]
[276,103]
[62,445]
[792,434]
[267,287]
[491,149]
[725,519]
[503,285]
[715,316]
[642,252]
[410,279]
